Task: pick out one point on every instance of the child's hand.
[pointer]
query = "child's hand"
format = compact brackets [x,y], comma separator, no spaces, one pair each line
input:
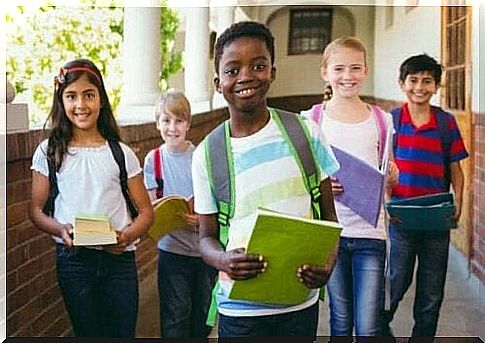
[394,220]
[241,266]
[122,242]
[66,235]
[337,188]
[392,175]
[191,220]
[313,276]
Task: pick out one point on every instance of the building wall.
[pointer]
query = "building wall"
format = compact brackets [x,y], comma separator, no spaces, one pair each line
[34,303]
[477,264]
[412,32]
[305,78]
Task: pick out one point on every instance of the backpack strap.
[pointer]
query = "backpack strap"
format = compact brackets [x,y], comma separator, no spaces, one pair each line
[396,121]
[220,167]
[119,157]
[381,129]
[298,139]
[49,205]
[317,113]
[158,168]
[445,136]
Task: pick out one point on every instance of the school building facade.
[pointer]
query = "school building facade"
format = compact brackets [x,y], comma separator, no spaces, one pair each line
[32,302]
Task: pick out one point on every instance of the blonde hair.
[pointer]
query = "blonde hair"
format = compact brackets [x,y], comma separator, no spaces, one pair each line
[175,102]
[343,42]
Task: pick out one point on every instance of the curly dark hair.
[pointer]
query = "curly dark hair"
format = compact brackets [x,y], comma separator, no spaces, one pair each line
[59,124]
[243,29]
[419,63]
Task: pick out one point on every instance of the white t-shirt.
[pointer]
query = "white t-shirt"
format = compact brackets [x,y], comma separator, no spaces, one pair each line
[89,183]
[362,140]
[266,175]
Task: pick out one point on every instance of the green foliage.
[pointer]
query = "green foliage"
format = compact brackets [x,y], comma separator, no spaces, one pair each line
[40,41]
[171,60]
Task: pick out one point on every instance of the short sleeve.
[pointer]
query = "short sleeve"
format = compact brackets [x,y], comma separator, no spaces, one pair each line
[458,149]
[323,152]
[39,159]
[149,171]
[131,160]
[204,201]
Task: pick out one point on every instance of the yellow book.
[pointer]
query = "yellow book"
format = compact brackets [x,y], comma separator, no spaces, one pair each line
[169,213]
[93,230]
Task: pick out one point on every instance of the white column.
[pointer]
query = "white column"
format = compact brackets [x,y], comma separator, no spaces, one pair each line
[225,18]
[196,74]
[141,62]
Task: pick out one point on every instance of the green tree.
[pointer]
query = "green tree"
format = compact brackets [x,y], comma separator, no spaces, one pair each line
[40,40]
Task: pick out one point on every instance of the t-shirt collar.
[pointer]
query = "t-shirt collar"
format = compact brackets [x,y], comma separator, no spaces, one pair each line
[430,125]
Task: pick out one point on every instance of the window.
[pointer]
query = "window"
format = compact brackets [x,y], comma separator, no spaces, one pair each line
[310,30]
[455,57]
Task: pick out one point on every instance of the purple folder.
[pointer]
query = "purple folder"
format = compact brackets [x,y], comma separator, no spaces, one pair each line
[363,186]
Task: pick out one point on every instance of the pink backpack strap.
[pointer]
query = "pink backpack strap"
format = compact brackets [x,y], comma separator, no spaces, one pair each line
[379,117]
[317,113]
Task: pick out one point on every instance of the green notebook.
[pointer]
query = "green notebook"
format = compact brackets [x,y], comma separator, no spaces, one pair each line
[286,242]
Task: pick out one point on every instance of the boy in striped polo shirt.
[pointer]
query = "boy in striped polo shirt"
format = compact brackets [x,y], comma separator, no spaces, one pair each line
[422,163]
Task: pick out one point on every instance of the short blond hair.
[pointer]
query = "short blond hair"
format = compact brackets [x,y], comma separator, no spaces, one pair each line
[175,102]
[343,42]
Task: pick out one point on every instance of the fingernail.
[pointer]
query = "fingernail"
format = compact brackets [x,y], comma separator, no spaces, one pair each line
[265,264]
[260,258]
[301,280]
[231,265]
[263,270]
[305,267]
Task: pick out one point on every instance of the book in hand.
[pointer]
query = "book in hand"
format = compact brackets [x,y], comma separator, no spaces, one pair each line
[286,242]
[427,212]
[169,213]
[93,230]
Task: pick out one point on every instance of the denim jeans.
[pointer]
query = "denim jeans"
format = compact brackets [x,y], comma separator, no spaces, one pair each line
[356,287]
[301,323]
[185,286]
[431,249]
[100,291]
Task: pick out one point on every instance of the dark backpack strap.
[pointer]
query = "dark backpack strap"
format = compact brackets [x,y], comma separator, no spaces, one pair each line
[157,166]
[221,176]
[49,205]
[445,136]
[119,157]
[396,120]
[293,130]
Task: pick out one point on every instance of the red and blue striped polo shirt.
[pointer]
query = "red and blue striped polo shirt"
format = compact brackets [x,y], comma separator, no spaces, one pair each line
[419,154]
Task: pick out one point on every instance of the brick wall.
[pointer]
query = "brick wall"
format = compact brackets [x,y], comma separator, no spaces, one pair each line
[34,303]
[477,264]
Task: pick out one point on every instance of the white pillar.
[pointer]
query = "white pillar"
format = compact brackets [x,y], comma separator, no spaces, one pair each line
[196,74]
[225,18]
[141,62]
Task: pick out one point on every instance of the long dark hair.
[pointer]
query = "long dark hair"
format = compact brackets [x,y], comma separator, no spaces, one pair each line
[60,126]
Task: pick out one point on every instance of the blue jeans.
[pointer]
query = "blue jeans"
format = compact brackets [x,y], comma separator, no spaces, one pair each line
[185,285]
[356,287]
[431,249]
[301,323]
[100,291]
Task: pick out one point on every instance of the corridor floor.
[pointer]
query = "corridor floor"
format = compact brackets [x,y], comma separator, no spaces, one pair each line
[462,312]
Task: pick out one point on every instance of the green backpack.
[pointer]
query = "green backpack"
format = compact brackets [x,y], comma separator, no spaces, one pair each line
[220,165]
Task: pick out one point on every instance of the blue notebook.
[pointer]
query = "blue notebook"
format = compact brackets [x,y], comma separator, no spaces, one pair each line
[431,212]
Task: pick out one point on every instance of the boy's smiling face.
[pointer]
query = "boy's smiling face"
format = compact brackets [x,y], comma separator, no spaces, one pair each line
[419,87]
[245,74]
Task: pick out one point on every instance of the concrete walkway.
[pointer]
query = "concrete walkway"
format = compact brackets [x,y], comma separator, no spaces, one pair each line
[462,312]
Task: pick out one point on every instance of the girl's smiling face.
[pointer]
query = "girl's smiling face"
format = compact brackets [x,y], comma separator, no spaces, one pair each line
[345,72]
[82,104]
